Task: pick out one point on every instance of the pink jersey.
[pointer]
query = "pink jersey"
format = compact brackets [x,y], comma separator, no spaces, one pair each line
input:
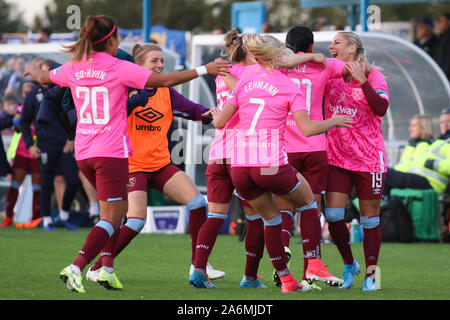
[220,149]
[360,148]
[263,99]
[311,79]
[100,90]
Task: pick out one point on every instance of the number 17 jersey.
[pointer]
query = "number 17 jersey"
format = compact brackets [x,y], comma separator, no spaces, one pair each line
[99,89]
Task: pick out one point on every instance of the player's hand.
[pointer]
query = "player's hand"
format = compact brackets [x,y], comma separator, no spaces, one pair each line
[68,147]
[35,152]
[208,114]
[218,67]
[357,71]
[319,57]
[341,120]
[132,93]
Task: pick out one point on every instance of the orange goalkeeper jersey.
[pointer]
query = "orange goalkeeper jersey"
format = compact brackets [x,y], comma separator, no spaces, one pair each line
[147,127]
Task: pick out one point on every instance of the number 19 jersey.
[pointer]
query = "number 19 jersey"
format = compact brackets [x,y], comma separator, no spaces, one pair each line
[99,89]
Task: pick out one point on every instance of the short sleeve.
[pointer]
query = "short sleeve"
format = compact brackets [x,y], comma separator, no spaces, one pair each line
[233,98]
[297,103]
[334,68]
[132,75]
[378,83]
[61,75]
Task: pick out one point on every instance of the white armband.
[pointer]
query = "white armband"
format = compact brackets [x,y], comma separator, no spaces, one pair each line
[201,71]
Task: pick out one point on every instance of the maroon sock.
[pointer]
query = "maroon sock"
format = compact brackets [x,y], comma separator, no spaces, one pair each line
[286,226]
[372,244]
[206,239]
[275,248]
[254,246]
[311,233]
[196,218]
[11,200]
[36,205]
[96,240]
[107,256]
[341,238]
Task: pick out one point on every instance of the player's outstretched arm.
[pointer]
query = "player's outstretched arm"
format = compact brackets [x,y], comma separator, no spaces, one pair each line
[222,117]
[218,67]
[309,127]
[295,59]
[39,75]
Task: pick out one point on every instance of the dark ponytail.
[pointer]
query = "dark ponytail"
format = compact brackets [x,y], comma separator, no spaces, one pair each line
[93,37]
[299,39]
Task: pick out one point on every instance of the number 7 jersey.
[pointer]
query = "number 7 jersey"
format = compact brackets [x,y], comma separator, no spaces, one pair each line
[263,99]
[99,89]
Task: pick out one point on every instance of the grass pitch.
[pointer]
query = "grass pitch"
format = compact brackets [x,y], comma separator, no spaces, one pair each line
[155,267]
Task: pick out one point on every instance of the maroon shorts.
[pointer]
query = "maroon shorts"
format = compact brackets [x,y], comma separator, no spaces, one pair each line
[368,185]
[142,181]
[27,164]
[252,182]
[109,176]
[219,186]
[313,166]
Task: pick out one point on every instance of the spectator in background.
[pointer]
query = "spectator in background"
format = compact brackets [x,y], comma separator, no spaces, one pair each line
[54,151]
[421,136]
[44,35]
[426,39]
[269,28]
[7,120]
[431,169]
[16,78]
[442,53]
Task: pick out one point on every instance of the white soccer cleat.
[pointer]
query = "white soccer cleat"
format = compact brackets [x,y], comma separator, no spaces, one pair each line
[210,271]
[92,275]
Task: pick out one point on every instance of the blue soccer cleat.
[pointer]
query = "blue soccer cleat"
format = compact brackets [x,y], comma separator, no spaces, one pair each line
[369,284]
[247,283]
[200,281]
[350,271]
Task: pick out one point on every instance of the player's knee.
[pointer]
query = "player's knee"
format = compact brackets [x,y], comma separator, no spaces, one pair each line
[198,201]
[334,214]
[370,222]
[135,224]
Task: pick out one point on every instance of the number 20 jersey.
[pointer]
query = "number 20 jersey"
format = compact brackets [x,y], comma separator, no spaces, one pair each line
[99,87]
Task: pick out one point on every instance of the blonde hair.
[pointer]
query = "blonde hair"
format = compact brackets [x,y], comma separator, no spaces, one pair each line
[139,52]
[426,125]
[354,39]
[268,51]
[234,48]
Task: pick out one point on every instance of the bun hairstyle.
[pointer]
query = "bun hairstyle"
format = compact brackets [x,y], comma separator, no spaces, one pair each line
[139,52]
[267,50]
[299,39]
[94,36]
[234,48]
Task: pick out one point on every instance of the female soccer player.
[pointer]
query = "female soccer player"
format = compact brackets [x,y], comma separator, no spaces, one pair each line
[220,187]
[99,84]
[356,156]
[150,165]
[308,154]
[262,100]
[219,183]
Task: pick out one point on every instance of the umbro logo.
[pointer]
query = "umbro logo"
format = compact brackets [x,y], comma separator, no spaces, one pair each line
[149,114]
